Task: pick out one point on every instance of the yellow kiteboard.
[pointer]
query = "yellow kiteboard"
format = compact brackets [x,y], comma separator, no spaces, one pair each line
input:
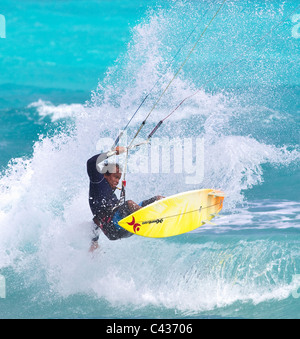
[176,214]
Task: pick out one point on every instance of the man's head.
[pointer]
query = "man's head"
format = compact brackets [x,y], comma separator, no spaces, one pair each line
[112,173]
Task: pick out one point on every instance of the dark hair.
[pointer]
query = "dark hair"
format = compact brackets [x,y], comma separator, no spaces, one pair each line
[109,168]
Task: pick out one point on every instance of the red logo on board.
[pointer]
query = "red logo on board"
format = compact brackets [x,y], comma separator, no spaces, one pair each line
[136,226]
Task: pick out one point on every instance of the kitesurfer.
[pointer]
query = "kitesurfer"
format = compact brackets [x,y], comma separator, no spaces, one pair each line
[104,204]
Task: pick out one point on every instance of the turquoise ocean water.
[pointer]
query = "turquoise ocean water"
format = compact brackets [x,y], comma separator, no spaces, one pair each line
[72,73]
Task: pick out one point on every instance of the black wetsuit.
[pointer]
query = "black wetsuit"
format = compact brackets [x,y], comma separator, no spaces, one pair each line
[104,202]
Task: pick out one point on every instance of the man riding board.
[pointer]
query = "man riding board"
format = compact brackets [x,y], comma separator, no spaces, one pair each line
[107,209]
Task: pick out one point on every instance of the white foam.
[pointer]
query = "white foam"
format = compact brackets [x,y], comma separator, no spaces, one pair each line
[62,111]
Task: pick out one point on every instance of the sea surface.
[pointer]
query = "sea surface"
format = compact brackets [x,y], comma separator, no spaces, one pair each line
[72,74]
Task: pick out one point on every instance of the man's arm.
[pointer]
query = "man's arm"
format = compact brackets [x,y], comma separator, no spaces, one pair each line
[92,163]
[103,156]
